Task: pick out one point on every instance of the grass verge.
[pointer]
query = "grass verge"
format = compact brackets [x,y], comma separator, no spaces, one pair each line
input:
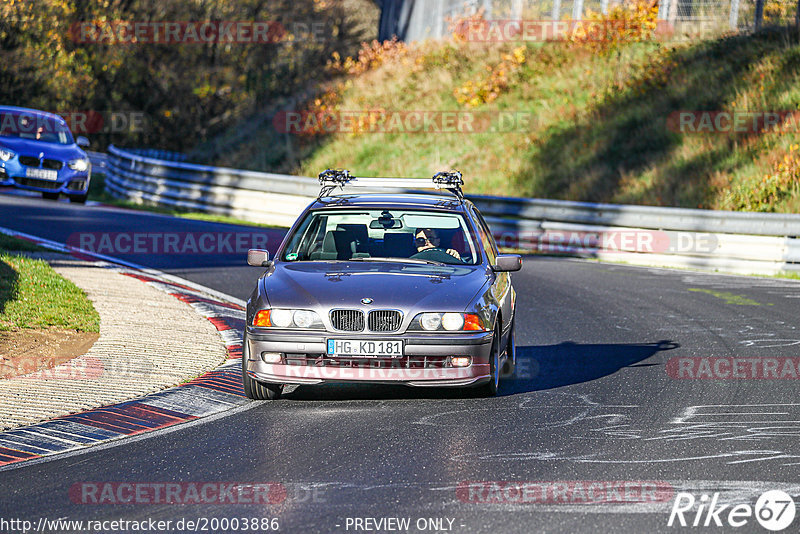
[33,295]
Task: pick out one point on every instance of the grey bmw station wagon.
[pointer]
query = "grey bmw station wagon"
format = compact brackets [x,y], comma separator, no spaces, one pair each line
[382,288]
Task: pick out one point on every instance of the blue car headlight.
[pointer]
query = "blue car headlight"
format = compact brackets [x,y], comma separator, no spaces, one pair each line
[6,154]
[79,164]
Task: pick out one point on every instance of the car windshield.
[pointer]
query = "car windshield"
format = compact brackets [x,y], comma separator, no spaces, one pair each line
[34,127]
[383,235]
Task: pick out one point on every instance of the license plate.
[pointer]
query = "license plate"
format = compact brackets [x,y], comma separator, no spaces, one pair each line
[44,174]
[365,349]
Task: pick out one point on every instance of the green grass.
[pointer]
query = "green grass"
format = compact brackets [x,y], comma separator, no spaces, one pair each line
[600,131]
[33,295]
[729,298]
[8,243]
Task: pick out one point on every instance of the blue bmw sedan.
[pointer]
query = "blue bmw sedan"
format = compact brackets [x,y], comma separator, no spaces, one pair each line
[38,153]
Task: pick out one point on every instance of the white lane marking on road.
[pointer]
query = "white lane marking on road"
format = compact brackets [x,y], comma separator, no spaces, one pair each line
[770,343]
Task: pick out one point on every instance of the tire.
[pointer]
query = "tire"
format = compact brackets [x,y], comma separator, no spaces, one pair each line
[50,196]
[490,389]
[510,366]
[253,389]
[80,199]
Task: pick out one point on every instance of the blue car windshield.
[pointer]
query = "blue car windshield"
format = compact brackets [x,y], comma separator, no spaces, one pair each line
[383,235]
[34,127]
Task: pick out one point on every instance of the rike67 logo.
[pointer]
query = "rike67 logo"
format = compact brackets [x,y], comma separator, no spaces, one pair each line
[774,510]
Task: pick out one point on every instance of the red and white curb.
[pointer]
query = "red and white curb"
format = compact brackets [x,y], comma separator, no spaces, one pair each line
[214,392]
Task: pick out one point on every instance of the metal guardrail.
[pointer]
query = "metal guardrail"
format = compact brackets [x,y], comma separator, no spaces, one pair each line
[98,160]
[762,243]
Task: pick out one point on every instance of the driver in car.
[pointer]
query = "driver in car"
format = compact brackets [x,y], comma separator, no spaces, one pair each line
[427,239]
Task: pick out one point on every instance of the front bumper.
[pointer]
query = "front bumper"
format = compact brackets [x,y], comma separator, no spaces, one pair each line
[318,368]
[69,181]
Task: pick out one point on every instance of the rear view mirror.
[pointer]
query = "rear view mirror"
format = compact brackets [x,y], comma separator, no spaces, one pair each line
[385,224]
[507,263]
[258,257]
[82,141]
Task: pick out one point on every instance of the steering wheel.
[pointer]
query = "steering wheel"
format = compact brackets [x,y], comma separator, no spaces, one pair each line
[436,254]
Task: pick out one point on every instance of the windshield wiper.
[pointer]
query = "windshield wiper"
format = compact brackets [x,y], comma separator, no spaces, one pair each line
[400,260]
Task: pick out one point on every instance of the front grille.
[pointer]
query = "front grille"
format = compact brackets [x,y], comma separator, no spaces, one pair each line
[35,182]
[406,362]
[384,320]
[52,164]
[29,161]
[348,320]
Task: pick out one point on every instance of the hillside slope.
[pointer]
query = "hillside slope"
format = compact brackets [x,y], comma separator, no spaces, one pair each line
[602,125]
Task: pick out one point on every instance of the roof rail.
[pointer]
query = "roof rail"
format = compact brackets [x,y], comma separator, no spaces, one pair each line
[330,179]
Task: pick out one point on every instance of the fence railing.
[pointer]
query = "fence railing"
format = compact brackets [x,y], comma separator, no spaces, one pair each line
[761,243]
[418,20]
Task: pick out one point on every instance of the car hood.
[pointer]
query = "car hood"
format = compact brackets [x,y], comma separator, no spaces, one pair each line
[27,147]
[408,287]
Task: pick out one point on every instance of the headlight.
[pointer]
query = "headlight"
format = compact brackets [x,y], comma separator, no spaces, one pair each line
[304,318]
[283,318]
[6,154]
[79,164]
[450,321]
[430,321]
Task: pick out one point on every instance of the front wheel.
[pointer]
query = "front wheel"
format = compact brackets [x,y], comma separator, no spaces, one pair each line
[253,389]
[490,389]
[80,199]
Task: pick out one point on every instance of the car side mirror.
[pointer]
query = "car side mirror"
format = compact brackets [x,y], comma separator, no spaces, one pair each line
[507,263]
[82,141]
[258,257]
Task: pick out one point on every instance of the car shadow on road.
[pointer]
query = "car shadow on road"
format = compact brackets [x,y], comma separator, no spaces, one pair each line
[550,366]
[538,368]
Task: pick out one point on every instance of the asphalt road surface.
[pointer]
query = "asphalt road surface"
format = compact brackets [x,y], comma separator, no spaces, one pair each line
[598,432]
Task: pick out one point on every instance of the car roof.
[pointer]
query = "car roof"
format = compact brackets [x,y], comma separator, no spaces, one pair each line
[391,200]
[30,111]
